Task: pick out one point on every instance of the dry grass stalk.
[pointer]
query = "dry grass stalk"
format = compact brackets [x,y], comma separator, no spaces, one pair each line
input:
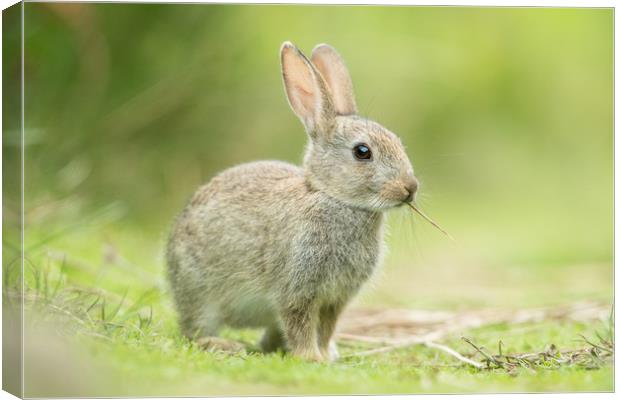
[551,358]
[396,326]
[404,328]
[454,353]
[427,218]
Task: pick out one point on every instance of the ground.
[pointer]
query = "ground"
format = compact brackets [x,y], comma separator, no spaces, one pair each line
[98,302]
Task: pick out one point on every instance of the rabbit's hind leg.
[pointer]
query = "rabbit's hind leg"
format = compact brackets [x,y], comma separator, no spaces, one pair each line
[206,329]
[216,343]
[196,323]
[273,340]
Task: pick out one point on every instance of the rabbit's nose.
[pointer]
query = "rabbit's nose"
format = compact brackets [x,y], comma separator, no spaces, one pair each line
[411,187]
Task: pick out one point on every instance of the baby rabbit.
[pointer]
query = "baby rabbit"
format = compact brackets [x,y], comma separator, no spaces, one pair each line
[273,245]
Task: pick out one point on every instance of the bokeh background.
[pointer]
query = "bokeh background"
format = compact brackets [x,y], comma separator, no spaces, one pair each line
[506,113]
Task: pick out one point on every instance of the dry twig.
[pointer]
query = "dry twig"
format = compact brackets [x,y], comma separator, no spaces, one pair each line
[397,329]
[454,353]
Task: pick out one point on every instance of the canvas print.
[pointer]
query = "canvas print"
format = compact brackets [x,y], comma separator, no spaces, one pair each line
[250,200]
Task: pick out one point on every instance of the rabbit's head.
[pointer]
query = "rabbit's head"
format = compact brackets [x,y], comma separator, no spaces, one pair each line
[352,159]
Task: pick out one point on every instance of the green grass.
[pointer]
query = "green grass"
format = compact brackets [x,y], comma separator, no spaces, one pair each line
[157,361]
[98,301]
[506,114]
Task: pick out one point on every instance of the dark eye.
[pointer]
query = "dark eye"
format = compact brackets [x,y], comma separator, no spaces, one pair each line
[362,152]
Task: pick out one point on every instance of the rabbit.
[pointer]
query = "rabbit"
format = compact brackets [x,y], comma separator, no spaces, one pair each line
[272,245]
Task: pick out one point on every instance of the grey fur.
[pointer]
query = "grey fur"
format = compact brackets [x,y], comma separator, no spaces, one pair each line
[269,244]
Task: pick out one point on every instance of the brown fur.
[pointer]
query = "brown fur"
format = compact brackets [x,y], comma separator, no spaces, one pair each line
[269,244]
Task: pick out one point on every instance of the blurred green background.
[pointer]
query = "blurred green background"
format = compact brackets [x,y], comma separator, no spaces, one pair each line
[506,113]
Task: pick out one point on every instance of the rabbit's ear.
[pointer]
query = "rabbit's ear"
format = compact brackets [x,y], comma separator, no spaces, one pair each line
[327,60]
[306,90]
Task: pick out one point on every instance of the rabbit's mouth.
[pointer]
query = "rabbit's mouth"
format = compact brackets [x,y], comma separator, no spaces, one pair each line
[398,192]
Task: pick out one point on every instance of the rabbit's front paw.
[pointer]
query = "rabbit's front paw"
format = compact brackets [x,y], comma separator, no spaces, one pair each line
[332,351]
[313,355]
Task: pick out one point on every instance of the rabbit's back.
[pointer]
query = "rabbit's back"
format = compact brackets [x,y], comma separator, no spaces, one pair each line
[229,243]
[246,182]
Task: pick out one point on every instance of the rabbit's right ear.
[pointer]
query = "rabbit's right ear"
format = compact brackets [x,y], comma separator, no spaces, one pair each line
[306,91]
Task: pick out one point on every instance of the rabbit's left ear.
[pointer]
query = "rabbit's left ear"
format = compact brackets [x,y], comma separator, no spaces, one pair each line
[327,60]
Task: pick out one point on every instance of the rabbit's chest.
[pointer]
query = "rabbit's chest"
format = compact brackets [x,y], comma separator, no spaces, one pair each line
[337,256]
[346,269]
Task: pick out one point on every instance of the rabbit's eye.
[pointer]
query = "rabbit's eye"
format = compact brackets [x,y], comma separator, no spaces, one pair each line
[362,152]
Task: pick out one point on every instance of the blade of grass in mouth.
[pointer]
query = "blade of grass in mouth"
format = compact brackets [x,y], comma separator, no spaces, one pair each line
[426,217]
